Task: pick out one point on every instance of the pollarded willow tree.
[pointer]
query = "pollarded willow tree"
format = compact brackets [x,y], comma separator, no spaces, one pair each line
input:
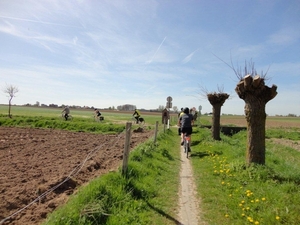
[216,99]
[256,94]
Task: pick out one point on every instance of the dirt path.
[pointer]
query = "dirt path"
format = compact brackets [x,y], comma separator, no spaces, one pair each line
[189,211]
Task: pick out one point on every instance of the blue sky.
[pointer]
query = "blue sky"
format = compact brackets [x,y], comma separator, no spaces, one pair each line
[108,53]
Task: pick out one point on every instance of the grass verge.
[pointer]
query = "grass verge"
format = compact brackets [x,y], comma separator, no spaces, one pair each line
[78,124]
[147,194]
[232,193]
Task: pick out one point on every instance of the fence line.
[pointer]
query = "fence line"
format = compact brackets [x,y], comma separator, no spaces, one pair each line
[77,169]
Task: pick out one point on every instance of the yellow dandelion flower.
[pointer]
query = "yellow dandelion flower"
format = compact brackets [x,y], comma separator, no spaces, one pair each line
[243,214]
[252,201]
[277,217]
[256,222]
[226,215]
[223,182]
[256,200]
[263,199]
[240,205]
[243,202]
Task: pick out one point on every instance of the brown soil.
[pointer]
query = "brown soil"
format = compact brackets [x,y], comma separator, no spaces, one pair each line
[34,161]
[286,142]
[269,123]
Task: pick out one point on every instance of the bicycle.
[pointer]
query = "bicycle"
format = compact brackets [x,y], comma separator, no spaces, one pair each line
[98,118]
[187,144]
[141,120]
[68,118]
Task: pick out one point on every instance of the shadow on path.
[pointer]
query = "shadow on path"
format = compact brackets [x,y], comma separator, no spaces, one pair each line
[164,214]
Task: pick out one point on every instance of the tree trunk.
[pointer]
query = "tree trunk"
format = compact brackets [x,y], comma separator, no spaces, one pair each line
[9,108]
[216,100]
[256,95]
[256,121]
[215,129]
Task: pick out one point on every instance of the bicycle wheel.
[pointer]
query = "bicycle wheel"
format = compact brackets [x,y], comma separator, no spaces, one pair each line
[141,121]
[187,145]
[63,117]
[187,148]
[184,145]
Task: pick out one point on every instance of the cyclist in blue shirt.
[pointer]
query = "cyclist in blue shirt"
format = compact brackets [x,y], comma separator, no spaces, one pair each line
[185,122]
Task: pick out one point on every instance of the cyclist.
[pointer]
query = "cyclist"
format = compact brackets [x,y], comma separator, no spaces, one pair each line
[66,112]
[180,114]
[185,122]
[138,115]
[97,113]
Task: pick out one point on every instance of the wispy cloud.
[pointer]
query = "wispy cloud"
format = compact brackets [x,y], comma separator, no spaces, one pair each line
[285,36]
[189,57]
[38,21]
[9,28]
[150,61]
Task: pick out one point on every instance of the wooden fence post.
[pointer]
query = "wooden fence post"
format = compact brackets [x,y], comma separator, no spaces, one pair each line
[126,148]
[156,130]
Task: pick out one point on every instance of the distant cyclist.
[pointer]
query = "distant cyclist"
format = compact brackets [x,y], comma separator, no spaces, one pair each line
[185,122]
[66,112]
[136,115]
[97,113]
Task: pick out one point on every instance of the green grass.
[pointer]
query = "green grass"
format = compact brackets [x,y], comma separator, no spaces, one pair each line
[83,119]
[232,193]
[290,133]
[86,115]
[78,124]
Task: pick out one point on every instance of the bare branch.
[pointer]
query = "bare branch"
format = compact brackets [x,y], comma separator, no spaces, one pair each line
[249,68]
[11,90]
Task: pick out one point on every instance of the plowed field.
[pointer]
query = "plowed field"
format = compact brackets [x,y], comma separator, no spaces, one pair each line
[34,161]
